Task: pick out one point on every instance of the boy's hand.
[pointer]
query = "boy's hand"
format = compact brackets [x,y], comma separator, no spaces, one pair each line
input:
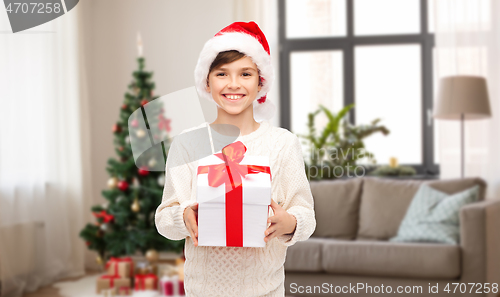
[191,222]
[281,223]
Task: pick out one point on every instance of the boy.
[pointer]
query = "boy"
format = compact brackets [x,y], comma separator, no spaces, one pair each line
[235,71]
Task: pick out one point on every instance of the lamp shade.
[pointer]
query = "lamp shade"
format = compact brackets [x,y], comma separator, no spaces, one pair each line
[462,94]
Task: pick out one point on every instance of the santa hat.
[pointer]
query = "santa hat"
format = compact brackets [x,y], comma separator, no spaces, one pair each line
[248,39]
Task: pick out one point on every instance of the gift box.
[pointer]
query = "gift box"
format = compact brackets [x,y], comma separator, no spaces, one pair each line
[107,282]
[233,194]
[109,292]
[171,286]
[125,291]
[124,267]
[147,281]
[180,268]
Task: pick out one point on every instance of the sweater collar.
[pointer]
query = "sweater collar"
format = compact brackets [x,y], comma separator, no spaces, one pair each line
[219,139]
[264,125]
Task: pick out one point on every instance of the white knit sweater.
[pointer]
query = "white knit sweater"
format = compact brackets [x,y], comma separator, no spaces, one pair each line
[238,271]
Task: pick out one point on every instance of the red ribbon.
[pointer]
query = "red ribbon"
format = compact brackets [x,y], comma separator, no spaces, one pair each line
[230,173]
[168,288]
[116,261]
[141,278]
[111,279]
[103,214]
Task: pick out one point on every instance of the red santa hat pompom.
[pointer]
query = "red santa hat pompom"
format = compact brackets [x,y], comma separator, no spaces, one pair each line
[248,39]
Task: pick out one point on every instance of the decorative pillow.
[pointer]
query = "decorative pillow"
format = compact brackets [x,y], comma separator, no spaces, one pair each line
[433,216]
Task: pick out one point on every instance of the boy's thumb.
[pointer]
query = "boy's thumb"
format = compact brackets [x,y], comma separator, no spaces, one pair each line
[274,204]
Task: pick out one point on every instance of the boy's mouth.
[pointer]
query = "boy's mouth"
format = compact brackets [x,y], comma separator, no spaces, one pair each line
[232,97]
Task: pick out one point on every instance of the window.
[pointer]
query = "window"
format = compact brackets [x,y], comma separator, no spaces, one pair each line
[374,53]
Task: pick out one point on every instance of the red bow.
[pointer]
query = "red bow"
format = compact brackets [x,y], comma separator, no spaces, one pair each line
[230,173]
[103,214]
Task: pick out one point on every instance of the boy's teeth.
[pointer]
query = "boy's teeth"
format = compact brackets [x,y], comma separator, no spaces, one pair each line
[233,96]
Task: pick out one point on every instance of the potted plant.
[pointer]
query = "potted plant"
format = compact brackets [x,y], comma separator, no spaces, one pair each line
[334,152]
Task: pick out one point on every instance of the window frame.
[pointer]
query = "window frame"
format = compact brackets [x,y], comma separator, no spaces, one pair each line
[347,45]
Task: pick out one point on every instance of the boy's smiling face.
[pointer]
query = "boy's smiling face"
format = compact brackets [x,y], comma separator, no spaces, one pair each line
[234,86]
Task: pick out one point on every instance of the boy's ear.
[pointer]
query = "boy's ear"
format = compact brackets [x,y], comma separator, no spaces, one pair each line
[207,87]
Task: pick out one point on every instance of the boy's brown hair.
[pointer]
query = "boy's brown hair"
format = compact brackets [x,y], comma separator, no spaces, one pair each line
[228,57]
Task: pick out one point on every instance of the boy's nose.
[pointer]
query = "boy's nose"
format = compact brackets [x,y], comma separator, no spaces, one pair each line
[234,84]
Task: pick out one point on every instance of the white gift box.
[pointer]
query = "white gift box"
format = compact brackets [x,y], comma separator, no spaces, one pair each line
[175,289]
[256,195]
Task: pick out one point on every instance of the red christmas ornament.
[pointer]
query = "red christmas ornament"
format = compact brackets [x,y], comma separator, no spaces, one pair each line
[143,171]
[87,243]
[117,128]
[120,148]
[123,185]
[144,102]
[124,106]
[104,215]
[134,123]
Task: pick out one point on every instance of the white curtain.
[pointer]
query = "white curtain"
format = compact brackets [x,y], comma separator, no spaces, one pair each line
[43,154]
[468,43]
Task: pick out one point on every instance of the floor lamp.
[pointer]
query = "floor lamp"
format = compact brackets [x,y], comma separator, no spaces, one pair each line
[462,98]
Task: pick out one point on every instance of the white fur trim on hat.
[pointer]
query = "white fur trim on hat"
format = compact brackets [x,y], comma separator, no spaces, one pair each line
[251,47]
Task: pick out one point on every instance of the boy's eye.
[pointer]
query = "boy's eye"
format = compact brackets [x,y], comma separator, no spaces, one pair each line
[244,74]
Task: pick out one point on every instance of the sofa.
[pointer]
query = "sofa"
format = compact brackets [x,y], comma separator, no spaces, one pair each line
[350,253]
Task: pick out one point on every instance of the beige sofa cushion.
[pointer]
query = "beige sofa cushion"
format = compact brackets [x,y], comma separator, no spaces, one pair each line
[336,204]
[388,259]
[305,255]
[384,202]
[383,206]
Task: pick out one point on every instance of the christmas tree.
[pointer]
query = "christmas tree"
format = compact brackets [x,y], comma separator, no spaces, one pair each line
[125,223]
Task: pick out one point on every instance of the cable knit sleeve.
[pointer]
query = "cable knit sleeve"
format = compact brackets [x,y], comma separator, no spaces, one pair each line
[169,217]
[298,199]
